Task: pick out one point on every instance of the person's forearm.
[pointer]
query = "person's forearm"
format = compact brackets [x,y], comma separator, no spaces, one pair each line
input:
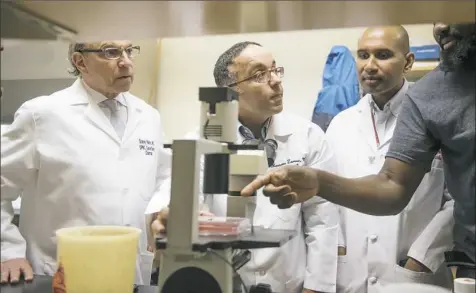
[374,195]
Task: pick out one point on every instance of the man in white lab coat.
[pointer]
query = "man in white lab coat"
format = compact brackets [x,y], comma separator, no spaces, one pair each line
[408,247]
[308,262]
[90,154]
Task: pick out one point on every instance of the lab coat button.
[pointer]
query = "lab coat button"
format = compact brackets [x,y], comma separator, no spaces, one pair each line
[373,238]
[373,280]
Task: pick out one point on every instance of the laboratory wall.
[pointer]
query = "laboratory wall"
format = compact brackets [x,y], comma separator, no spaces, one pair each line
[169,71]
[16,92]
[186,64]
[33,68]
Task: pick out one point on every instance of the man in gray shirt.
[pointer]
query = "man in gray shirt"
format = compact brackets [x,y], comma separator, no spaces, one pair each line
[437,114]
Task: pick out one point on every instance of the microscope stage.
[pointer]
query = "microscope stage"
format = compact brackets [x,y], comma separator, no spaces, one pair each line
[258,238]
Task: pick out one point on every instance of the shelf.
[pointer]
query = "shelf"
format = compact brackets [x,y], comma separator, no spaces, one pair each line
[420,68]
[424,65]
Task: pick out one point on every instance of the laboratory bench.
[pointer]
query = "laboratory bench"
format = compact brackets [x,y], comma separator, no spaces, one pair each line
[43,284]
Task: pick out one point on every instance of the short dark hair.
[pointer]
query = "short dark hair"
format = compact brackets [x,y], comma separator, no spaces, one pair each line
[222,75]
[74,47]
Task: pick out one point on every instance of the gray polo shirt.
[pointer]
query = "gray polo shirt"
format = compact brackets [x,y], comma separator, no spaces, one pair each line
[439,113]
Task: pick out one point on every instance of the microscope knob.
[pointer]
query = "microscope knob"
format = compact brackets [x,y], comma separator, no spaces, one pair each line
[261,288]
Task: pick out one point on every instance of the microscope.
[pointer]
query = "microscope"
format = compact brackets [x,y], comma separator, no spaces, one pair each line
[195,263]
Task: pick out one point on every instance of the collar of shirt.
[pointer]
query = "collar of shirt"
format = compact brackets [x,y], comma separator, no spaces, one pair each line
[279,125]
[392,106]
[247,134]
[270,145]
[98,98]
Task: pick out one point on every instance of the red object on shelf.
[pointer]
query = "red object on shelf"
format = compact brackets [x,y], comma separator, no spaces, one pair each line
[223,226]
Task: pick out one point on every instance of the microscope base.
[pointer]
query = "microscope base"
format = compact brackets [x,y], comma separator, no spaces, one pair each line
[195,272]
[208,267]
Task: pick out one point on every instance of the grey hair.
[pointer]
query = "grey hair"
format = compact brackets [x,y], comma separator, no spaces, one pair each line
[221,73]
[74,47]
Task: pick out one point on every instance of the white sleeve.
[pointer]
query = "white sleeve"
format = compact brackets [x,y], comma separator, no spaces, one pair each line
[436,238]
[161,197]
[19,168]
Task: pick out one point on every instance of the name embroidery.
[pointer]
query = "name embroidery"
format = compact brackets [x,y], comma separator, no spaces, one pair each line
[147,146]
[296,162]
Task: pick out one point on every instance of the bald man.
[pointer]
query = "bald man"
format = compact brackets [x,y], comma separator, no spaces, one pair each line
[408,247]
[438,114]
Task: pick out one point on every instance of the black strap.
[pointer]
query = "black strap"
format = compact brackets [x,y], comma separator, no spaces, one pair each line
[459,259]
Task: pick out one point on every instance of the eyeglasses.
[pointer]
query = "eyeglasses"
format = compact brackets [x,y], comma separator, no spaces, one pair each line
[114,53]
[263,76]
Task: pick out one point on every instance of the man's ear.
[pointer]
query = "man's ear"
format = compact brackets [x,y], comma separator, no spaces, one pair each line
[409,60]
[233,77]
[78,60]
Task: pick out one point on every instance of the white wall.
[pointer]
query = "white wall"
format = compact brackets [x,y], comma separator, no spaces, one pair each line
[96,20]
[187,64]
[33,60]
[22,59]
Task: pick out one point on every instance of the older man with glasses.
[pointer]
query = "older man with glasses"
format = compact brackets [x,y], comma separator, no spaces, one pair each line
[308,263]
[90,154]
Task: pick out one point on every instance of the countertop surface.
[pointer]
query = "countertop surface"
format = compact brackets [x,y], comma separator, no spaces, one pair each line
[42,284]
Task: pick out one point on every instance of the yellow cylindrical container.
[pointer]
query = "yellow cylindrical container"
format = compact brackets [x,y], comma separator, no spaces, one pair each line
[96,259]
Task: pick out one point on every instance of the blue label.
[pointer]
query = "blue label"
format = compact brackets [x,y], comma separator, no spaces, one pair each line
[427,52]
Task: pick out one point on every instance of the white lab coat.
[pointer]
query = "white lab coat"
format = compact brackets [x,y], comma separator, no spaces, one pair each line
[375,245]
[17,203]
[309,261]
[73,169]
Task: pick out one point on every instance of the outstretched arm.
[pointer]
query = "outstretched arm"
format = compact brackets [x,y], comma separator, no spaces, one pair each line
[388,192]
[385,193]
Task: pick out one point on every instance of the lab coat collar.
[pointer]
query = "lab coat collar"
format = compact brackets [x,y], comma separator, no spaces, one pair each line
[264,130]
[80,95]
[85,94]
[276,126]
[279,126]
[366,124]
[98,98]
[395,102]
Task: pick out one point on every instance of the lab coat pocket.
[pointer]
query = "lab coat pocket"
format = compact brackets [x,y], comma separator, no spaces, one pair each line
[287,218]
[342,259]
[344,274]
[429,192]
[294,285]
[403,275]
[49,268]
[146,260]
